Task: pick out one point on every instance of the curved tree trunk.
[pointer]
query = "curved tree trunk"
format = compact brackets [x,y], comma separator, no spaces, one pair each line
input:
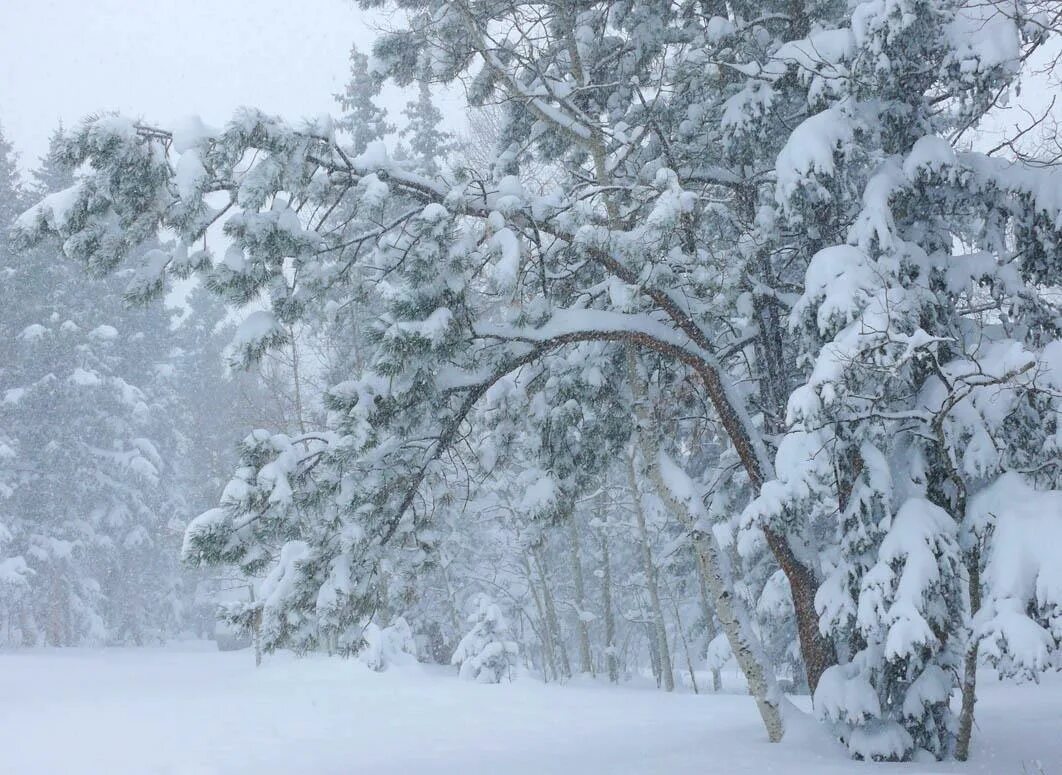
[743,641]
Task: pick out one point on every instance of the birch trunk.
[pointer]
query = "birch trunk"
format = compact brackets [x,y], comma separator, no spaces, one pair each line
[685,646]
[730,610]
[547,646]
[650,578]
[611,662]
[743,641]
[709,616]
[563,662]
[585,663]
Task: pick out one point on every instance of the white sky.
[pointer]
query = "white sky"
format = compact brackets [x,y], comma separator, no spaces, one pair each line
[160,60]
[165,59]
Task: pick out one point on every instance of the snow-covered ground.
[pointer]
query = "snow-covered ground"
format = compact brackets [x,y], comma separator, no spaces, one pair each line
[189,709]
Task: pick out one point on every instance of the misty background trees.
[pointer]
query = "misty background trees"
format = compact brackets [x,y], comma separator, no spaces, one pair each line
[720,339]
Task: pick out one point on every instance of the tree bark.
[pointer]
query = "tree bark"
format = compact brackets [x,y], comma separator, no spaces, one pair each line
[743,641]
[611,658]
[611,662]
[816,649]
[585,663]
[729,608]
[564,663]
[649,568]
[969,680]
[709,616]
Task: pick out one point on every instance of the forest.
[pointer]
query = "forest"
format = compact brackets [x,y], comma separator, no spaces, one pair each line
[705,361]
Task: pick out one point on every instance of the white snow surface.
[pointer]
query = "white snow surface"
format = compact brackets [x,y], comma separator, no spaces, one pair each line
[187,709]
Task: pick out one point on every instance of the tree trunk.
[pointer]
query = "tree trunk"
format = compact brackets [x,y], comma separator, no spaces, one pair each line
[548,657]
[51,628]
[296,379]
[455,617]
[564,663]
[743,641]
[817,650]
[735,622]
[709,616]
[685,646]
[969,680]
[383,600]
[585,663]
[650,578]
[728,607]
[611,662]
[256,631]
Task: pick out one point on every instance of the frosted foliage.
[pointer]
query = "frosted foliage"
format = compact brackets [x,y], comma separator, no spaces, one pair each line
[1020,623]
[770,216]
[486,654]
[101,456]
[387,647]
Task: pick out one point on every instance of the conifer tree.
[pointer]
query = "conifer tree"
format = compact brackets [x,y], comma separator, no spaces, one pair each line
[486,654]
[82,403]
[428,143]
[766,202]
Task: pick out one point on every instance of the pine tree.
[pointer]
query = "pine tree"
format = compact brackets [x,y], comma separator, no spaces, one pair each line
[12,195]
[362,117]
[428,144]
[891,431]
[82,404]
[486,654]
[15,574]
[766,202]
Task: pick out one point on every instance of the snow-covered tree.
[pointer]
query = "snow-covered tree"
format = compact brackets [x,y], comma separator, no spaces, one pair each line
[362,117]
[92,413]
[14,573]
[927,335]
[428,142]
[389,646]
[764,222]
[486,654]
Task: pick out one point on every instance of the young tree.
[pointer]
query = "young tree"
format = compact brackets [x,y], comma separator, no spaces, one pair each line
[932,301]
[428,143]
[486,654]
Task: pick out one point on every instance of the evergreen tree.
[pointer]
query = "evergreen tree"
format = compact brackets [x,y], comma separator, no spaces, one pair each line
[758,215]
[14,572]
[362,117]
[83,403]
[428,144]
[485,654]
[12,196]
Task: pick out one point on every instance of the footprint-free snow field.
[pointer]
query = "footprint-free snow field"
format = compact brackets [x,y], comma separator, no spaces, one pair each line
[190,710]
